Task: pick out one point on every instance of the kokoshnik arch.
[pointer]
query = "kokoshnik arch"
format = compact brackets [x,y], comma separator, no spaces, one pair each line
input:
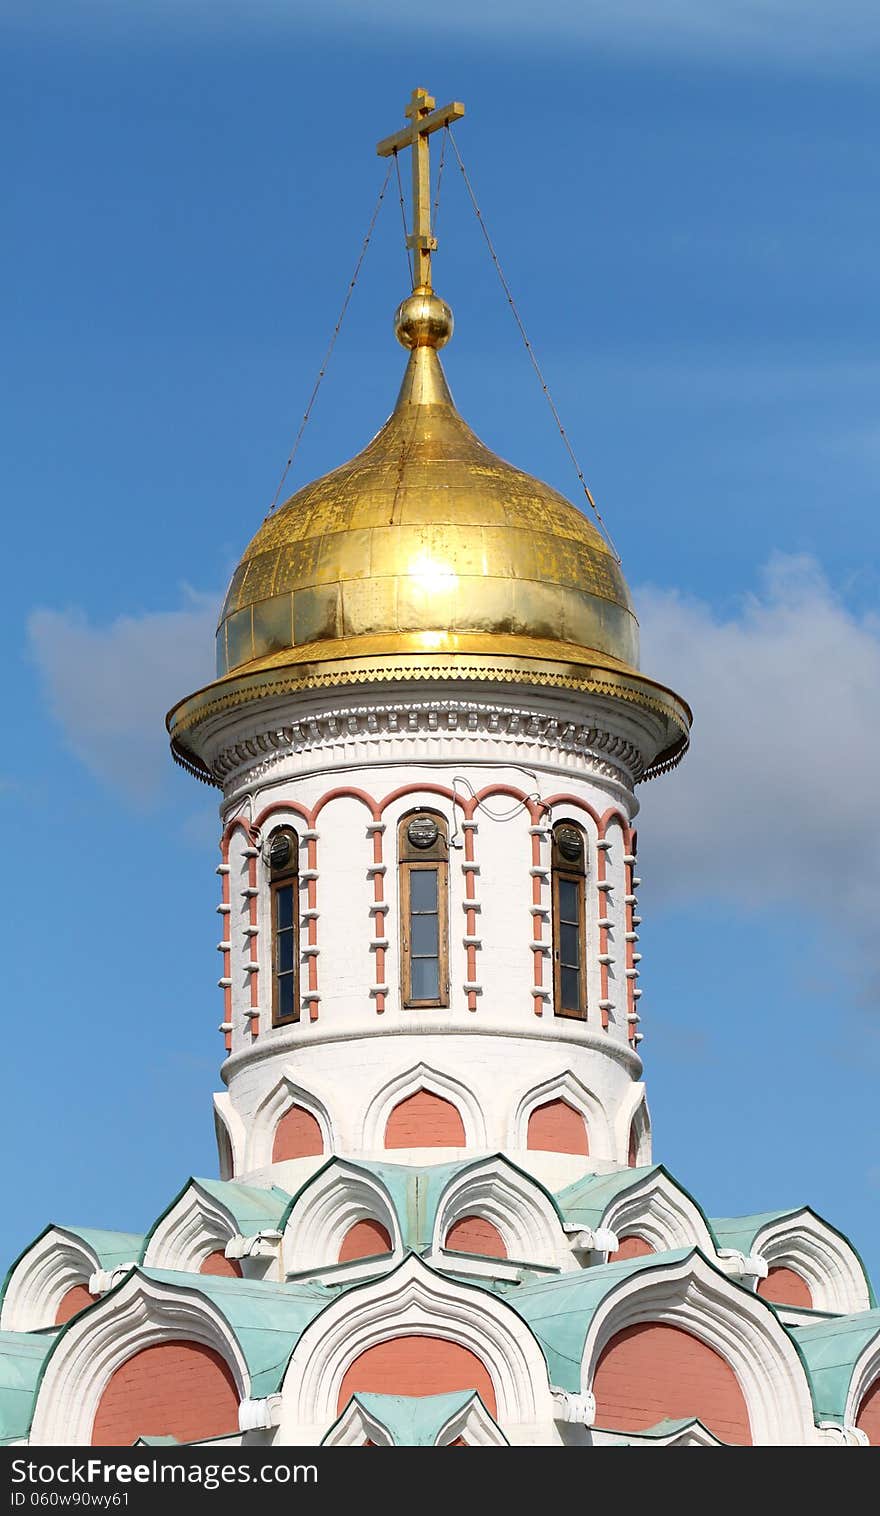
[438,1219]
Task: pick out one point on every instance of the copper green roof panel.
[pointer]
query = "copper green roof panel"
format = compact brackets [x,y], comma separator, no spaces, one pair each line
[266,1319]
[411,1421]
[586,1200]
[659,1431]
[22,1355]
[415,1193]
[742,1232]
[559,1311]
[830,1350]
[110,1248]
[739,1232]
[253,1209]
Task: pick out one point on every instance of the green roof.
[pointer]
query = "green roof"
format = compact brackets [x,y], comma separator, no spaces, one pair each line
[739,1232]
[251,1208]
[411,1421]
[110,1248]
[22,1355]
[415,1194]
[586,1200]
[559,1311]
[266,1319]
[660,1430]
[830,1350]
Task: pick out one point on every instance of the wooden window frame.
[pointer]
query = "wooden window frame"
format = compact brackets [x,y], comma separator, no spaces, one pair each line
[411,861]
[283,879]
[562,870]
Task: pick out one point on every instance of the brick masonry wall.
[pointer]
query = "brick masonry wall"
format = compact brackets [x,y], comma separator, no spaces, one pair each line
[474,1234]
[631,1247]
[417,1366]
[74,1300]
[868,1419]
[652,1371]
[218,1263]
[785,1287]
[424,1120]
[181,1389]
[297,1135]
[558,1128]
[365,1239]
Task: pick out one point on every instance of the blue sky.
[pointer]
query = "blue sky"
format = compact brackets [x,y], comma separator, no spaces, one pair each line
[684,200]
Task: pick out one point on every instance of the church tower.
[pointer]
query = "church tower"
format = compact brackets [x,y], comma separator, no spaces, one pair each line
[438,1219]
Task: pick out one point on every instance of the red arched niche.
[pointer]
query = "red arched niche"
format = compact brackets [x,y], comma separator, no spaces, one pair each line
[474,1234]
[868,1418]
[424,1120]
[785,1287]
[297,1135]
[72,1302]
[632,1154]
[217,1263]
[652,1371]
[172,1389]
[557,1127]
[417,1366]
[631,1247]
[365,1239]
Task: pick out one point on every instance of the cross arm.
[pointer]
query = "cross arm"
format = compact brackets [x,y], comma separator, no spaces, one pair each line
[420,127]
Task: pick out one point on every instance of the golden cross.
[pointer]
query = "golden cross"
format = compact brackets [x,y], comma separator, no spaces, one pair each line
[424,120]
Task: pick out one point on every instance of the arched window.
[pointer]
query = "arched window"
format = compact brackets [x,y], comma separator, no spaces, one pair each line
[569,935]
[423,852]
[283,861]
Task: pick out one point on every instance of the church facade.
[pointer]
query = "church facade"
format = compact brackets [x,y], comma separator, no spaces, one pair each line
[438,1219]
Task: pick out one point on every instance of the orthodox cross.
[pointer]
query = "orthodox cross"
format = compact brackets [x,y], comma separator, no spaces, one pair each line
[424,120]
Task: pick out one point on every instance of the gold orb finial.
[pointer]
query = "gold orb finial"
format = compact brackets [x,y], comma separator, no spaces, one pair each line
[423,320]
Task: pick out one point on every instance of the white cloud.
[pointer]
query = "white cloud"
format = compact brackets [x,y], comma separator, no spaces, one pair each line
[778,801]
[784,32]
[110,687]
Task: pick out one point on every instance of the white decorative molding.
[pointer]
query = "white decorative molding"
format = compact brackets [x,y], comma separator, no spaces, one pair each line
[516,1205]
[656,1209]
[51,1266]
[195,1226]
[231,1135]
[328,1206]
[693,1295]
[866,1372]
[824,1259]
[842,1436]
[259,1415]
[632,1114]
[575,1410]
[141,1313]
[409,1082]
[564,1086]
[414,1300]
[344,734]
[283,1094]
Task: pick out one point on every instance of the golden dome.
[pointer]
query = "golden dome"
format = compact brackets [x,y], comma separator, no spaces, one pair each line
[426,541]
[427,557]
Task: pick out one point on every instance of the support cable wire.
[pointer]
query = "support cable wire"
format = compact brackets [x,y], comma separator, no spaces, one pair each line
[332,343]
[436,211]
[528,346]
[410,268]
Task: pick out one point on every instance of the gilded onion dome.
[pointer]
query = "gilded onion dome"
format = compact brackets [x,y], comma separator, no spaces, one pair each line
[427,556]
